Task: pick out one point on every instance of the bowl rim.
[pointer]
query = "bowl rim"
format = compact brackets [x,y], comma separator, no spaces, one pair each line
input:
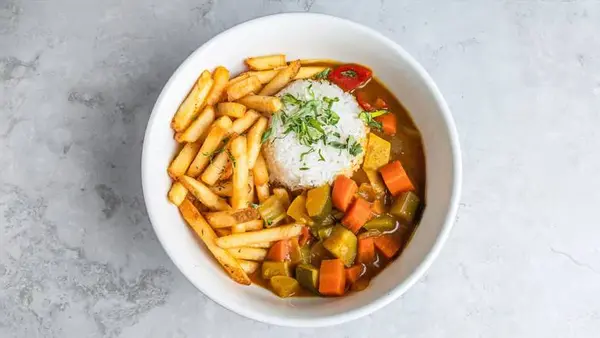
[422,267]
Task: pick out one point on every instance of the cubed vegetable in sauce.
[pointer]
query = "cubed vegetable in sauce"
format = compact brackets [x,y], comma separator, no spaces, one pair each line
[318,202]
[324,232]
[272,211]
[284,286]
[308,277]
[332,278]
[272,269]
[297,210]
[405,207]
[342,244]
[381,223]
[377,154]
[318,253]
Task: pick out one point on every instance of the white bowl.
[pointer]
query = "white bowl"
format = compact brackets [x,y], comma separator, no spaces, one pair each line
[307,36]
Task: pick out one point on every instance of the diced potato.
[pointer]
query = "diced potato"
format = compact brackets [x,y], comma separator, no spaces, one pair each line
[377,154]
[284,286]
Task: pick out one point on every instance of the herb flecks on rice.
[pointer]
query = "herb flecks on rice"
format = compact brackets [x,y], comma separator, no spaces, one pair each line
[317,135]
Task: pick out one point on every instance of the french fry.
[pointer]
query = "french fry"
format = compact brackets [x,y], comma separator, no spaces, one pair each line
[223,232]
[308,72]
[251,194]
[260,172]
[182,161]
[264,76]
[264,245]
[264,104]
[239,151]
[254,136]
[218,131]
[227,172]
[281,79]
[251,254]
[221,79]
[199,128]
[307,62]
[193,217]
[283,196]
[193,102]
[231,109]
[217,165]
[249,267]
[247,226]
[223,188]
[237,79]
[265,235]
[203,194]
[243,88]
[262,192]
[177,193]
[227,219]
[266,62]
[243,123]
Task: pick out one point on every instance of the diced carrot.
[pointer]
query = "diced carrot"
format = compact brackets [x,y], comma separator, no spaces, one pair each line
[388,123]
[304,236]
[366,250]
[389,245]
[357,215]
[344,189]
[395,178]
[380,104]
[353,273]
[280,251]
[332,278]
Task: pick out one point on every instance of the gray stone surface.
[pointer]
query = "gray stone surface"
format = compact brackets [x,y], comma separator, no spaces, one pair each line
[78,257]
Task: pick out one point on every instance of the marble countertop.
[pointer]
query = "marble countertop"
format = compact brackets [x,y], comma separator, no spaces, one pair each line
[78,257]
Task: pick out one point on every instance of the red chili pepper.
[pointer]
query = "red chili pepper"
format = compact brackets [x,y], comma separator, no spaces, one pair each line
[361,97]
[350,76]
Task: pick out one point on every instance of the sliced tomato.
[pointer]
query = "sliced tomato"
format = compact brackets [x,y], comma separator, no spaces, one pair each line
[350,76]
[361,97]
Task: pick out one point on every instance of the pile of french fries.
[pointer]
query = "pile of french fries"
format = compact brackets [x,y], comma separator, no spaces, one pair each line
[220,172]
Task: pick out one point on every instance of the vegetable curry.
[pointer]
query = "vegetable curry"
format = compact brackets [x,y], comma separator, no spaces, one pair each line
[328,240]
[358,225]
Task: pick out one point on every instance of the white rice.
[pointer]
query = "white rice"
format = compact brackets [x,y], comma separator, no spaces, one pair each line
[283,151]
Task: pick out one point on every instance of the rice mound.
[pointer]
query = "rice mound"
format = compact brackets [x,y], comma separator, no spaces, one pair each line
[283,151]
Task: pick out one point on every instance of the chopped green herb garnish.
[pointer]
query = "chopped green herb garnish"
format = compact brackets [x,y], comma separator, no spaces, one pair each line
[321,158]
[266,135]
[231,158]
[304,168]
[367,117]
[349,73]
[306,153]
[269,222]
[254,205]
[337,145]
[323,74]
[354,148]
